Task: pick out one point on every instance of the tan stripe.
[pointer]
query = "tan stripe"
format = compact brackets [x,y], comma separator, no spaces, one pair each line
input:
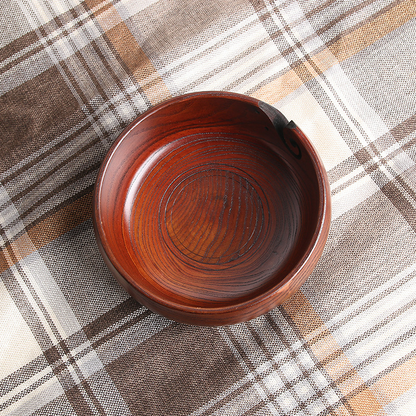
[365,404]
[342,49]
[137,62]
[108,17]
[328,352]
[278,88]
[397,382]
[62,221]
[7,258]
[376,29]
[303,314]
[92,4]
[132,56]
[46,231]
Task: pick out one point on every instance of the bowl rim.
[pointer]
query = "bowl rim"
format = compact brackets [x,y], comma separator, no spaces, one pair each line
[324,211]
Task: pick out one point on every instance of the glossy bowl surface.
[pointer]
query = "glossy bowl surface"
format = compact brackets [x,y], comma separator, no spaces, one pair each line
[211,208]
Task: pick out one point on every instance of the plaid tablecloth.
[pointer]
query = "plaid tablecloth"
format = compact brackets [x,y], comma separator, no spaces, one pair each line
[74,74]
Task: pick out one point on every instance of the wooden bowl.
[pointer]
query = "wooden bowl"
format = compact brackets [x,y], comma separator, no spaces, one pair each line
[211,208]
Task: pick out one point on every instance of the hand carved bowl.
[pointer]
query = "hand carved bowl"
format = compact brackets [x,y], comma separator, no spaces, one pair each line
[211,208]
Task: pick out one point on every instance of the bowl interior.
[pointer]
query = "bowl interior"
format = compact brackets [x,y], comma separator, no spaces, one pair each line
[202,204]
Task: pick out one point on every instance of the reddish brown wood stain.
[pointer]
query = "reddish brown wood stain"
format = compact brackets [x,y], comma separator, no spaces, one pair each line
[211,209]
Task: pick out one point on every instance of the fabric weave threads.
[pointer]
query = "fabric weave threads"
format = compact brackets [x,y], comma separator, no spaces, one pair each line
[73,75]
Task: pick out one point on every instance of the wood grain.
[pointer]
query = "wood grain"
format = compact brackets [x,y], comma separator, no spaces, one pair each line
[211,208]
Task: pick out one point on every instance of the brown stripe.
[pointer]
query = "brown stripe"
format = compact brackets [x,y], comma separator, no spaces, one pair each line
[62,221]
[18,45]
[55,169]
[23,248]
[302,314]
[121,329]
[52,227]
[7,258]
[364,403]
[37,159]
[111,317]
[78,402]
[5,263]
[406,127]
[22,58]
[319,8]
[91,4]
[87,388]
[397,198]
[46,197]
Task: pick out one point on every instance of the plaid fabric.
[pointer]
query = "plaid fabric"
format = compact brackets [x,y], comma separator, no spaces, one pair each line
[74,74]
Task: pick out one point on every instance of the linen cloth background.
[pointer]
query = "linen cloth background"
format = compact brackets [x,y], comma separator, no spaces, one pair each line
[74,74]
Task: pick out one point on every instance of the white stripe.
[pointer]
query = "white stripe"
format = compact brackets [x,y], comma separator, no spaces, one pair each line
[359,109]
[352,196]
[345,313]
[129,8]
[50,295]
[404,405]
[217,58]
[212,44]
[258,389]
[359,171]
[35,399]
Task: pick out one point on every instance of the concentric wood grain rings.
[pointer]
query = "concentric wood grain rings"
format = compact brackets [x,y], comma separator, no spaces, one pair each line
[211,208]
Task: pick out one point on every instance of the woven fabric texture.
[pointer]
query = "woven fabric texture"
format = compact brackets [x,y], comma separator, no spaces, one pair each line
[74,74]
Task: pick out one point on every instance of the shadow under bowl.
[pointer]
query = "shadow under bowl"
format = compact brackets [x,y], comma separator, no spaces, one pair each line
[211,208]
